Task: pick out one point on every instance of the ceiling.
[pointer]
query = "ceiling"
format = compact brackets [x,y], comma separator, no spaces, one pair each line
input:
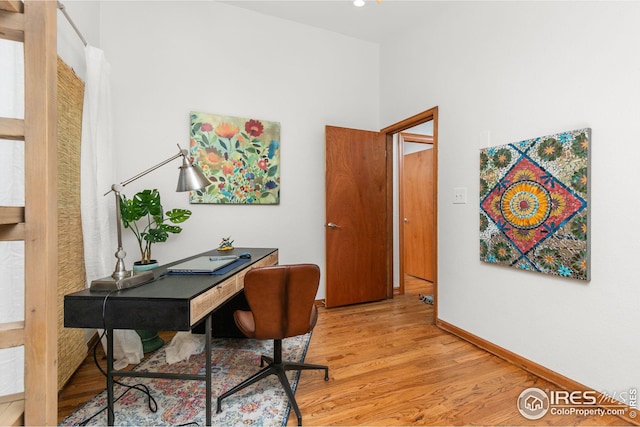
[373,22]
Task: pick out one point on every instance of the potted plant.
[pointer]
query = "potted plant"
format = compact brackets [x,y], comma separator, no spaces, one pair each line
[145,216]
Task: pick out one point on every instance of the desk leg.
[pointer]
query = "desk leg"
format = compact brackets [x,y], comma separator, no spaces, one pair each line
[207,348]
[110,410]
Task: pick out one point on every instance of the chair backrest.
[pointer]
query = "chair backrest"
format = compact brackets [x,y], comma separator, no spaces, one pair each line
[282,298]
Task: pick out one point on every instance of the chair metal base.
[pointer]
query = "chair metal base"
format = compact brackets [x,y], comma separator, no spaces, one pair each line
[275,367]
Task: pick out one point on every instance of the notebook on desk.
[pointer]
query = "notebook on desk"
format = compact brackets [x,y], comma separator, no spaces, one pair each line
[200,265]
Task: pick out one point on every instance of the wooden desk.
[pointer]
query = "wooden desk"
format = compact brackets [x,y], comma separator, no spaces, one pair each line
[171,303]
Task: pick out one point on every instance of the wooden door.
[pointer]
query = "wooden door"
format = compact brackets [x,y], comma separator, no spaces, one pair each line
[418,214]
[356,236]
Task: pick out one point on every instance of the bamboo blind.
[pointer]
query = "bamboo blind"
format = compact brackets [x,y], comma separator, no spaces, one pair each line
[72,347]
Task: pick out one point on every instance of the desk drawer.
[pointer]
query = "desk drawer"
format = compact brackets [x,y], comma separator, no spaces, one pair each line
[218,295]
[203,304]
[272,259]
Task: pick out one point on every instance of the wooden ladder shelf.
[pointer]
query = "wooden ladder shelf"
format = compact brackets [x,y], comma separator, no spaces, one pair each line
[33,23]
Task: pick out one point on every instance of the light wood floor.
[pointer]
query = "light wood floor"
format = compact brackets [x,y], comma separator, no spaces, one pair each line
[390,365]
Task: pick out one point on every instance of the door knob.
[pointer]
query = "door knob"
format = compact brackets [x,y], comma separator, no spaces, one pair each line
[332,225]
[406,220]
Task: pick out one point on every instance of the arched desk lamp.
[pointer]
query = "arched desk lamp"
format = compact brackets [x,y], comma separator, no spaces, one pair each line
[191,178]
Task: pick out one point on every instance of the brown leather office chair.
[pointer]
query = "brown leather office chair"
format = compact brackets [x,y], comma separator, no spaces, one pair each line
[281,299]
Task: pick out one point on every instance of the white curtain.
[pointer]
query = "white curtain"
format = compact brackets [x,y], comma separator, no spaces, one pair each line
[97,176]
[11,194]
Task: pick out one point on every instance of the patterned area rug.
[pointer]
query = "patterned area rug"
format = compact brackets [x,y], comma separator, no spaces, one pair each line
[183,402]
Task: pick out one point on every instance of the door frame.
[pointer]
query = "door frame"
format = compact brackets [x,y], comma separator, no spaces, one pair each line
[390,131]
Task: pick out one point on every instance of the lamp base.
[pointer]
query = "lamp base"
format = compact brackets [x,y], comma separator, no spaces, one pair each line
[110,284]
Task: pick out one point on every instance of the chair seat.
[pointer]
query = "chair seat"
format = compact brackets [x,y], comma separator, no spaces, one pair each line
[247,324]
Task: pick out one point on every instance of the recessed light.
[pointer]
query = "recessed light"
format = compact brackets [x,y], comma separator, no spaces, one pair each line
[358,3]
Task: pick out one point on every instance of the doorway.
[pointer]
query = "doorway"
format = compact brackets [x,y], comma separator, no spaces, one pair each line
[415,216]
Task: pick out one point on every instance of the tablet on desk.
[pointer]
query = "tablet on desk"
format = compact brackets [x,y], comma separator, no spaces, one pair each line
[201,265]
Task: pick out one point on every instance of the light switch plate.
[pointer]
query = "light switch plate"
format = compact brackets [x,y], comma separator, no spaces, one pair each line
[484,139]
[459,195]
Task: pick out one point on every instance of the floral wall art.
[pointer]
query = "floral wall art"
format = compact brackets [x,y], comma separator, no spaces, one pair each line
[241,158]
[534,199]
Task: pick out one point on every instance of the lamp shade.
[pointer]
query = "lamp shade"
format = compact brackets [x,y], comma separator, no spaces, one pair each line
[191,177]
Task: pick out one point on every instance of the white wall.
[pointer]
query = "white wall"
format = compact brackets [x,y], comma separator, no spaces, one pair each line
[520,70]
[170,58]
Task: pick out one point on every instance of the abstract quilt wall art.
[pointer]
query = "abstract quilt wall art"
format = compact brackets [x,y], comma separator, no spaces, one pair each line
[241,158]
[534,204]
